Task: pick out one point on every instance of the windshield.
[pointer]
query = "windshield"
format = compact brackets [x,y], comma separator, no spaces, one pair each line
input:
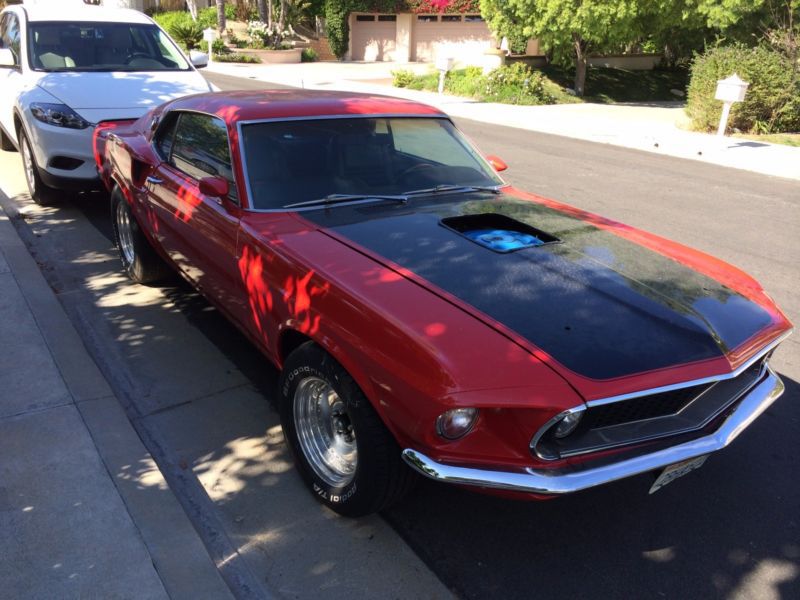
[290,162]
[102,47]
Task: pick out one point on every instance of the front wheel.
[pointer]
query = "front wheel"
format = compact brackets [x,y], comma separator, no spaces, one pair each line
[41,193]
[343,451]
[139,259]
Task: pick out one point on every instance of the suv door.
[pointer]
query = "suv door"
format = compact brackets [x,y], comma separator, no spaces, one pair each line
[11,78]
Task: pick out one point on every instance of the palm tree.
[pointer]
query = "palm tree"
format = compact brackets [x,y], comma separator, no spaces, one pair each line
[221,16]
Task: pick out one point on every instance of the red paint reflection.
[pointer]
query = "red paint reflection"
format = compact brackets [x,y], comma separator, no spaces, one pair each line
[251,268]
[188,201]
[297,295]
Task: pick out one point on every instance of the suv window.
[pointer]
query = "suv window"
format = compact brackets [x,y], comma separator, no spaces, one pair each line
[9,34]
[200,148]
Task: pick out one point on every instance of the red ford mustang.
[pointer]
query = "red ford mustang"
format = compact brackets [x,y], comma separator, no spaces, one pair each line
[427,317]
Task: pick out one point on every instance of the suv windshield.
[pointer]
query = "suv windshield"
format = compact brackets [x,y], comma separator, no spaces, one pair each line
[293,162]
[102,47]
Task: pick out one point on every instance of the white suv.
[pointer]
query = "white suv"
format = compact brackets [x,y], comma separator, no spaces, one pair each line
[66,66]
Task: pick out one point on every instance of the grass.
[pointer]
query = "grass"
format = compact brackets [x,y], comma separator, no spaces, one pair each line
[787,139]
[620,85]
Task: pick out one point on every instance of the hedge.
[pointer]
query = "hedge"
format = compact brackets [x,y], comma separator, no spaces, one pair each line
[772,102]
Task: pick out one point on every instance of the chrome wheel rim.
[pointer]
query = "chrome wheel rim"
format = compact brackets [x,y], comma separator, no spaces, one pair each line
[124,233]
[325,432]
[28,166]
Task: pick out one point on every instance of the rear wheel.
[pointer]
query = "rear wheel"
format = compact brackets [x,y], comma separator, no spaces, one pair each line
[343,451]
[139,259]
[40,192]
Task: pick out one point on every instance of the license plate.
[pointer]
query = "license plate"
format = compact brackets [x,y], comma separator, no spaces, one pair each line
[672,472]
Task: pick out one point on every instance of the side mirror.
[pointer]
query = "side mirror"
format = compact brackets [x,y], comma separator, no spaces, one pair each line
[498,164]
[214,187]
[198,59]
[7,58]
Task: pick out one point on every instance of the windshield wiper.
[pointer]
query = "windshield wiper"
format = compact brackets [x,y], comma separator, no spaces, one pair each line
[449,187]
[338,198]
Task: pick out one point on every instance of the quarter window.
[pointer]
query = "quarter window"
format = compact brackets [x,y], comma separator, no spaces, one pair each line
[200,148]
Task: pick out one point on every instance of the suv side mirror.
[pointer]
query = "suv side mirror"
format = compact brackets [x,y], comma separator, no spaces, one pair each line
[7,58]
[198,59]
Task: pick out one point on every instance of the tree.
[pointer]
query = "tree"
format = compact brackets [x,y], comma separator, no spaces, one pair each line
[221,23]
[262,11]
[573,27]
[192,6]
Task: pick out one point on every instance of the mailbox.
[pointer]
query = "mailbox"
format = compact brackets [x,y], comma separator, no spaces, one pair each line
[209,35]
[731,89]
[444,63]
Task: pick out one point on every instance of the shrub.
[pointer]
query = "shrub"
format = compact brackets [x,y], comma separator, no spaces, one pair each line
[517,84]
[232,57]
[207,17]
[772,102]
[218,47]
[187,34]
[402,78]
[309,55]
[167,20]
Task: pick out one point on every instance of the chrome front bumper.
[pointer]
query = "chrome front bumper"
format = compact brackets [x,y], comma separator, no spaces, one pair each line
[757,400]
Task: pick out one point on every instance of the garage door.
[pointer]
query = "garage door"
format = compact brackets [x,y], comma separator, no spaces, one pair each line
[456,36]
[373,37]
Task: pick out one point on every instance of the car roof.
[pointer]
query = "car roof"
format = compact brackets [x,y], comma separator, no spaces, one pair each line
[234,107]
[80,12]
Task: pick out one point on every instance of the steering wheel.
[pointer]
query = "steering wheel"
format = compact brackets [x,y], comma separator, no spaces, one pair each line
[134,55]
[415,168]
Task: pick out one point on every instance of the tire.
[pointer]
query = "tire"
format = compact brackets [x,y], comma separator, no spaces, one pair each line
[41,193]
[365,472]
[139,259]
[6,143]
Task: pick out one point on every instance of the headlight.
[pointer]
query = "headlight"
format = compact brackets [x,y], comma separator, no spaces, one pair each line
[59,115]
[567,424]
[456,422]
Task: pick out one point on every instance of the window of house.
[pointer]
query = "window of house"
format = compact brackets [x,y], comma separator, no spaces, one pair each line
[365,17]
[391,18]
[473,18]
[428,18]
[200,148]
[451,18]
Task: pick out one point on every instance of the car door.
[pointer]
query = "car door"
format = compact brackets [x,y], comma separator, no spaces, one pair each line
[197,231]
[11,78]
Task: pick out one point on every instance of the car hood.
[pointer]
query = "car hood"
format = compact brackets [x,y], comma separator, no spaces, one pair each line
[596,303]
[120,93]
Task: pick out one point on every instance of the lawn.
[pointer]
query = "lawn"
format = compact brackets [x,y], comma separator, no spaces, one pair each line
[619,85]
[787,139]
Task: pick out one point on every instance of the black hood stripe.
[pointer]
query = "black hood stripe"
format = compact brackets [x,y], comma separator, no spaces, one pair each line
[600,305]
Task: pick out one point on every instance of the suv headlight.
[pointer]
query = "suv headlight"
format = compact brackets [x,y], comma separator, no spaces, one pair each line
[59,115]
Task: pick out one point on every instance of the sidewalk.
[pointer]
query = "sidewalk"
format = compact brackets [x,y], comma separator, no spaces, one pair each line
[84,510]
[653,128]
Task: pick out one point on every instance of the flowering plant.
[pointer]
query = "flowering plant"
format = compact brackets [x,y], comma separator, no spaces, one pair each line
[263,35]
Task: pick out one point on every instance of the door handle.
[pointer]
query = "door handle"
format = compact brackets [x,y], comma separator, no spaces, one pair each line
[156,180]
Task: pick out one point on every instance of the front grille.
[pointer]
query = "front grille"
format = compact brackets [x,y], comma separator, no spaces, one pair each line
[649,417]
[646,407]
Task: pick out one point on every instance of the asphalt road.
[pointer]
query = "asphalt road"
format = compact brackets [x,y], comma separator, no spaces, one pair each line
[195,389]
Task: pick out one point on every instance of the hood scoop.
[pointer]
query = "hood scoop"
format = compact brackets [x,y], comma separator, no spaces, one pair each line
[498,232]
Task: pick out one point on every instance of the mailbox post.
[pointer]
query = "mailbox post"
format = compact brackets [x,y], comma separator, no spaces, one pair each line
[209,35]
[443,64]
[729,90]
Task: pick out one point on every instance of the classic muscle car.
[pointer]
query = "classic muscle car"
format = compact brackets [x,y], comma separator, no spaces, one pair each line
[427,317]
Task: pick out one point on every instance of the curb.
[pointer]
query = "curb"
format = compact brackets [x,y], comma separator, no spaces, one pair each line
[178,554]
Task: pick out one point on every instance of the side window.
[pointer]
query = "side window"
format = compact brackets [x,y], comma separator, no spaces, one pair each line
[165,135]
[9,34]
[200,148]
